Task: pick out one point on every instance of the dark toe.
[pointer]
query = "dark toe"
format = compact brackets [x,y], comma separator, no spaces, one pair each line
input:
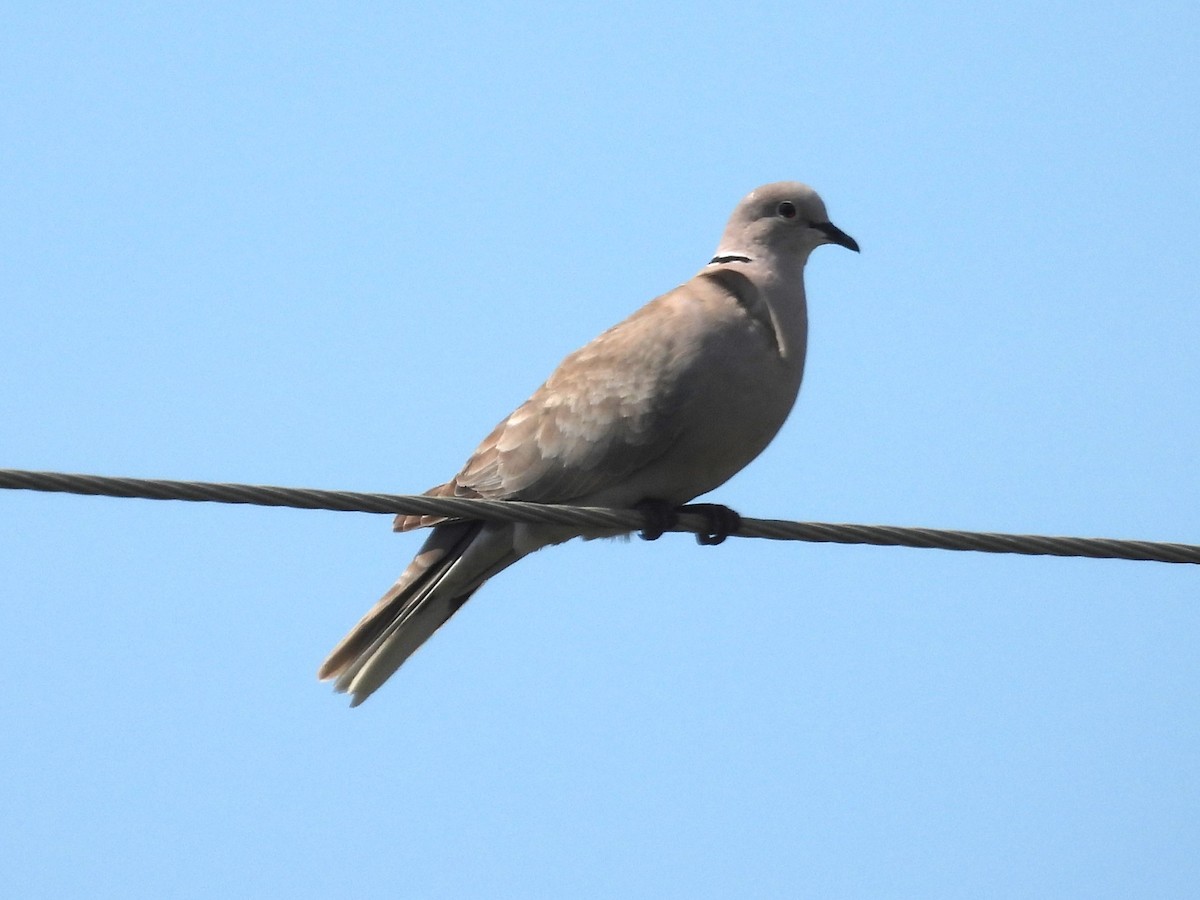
[659,516]
[720,522]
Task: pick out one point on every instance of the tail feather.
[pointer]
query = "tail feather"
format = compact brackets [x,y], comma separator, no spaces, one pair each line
[456,559]
[405,522]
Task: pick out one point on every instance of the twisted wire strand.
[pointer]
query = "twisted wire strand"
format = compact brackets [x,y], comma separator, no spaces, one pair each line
[581,516]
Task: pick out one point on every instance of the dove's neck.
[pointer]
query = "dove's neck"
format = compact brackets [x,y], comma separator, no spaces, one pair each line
[779,286]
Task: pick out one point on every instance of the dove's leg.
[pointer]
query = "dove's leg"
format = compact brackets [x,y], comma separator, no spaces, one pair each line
[659,517]
[721,521]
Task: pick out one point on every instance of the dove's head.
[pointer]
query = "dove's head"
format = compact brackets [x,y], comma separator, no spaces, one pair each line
[779,220]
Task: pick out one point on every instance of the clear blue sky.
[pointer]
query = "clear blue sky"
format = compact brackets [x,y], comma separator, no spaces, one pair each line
[332,246]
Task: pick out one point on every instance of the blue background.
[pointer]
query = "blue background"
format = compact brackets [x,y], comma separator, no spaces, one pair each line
[331,246]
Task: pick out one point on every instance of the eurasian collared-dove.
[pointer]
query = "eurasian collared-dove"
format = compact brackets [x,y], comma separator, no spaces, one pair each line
[659,409]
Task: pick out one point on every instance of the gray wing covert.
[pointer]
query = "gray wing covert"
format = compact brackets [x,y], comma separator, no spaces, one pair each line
[607,411]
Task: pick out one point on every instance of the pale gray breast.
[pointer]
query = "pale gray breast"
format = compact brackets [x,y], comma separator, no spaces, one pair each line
[742,392]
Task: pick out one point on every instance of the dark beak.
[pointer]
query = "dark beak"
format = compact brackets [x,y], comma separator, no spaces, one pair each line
[837,236]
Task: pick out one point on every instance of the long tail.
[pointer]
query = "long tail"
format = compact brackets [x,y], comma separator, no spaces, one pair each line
[456,559]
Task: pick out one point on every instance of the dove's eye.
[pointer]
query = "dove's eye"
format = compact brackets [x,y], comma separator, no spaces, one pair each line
[787,209]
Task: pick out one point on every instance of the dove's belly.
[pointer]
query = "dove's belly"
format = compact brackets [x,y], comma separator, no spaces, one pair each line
[738,412]
[738,396]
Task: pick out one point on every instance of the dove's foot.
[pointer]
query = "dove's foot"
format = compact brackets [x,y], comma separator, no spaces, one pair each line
[659,516]
[720,522]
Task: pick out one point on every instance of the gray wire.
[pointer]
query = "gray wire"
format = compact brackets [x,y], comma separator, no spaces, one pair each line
[626,520]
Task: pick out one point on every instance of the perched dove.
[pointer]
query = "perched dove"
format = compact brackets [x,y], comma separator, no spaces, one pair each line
[665,406]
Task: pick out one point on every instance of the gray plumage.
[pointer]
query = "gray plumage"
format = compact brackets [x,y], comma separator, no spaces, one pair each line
[665,406]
